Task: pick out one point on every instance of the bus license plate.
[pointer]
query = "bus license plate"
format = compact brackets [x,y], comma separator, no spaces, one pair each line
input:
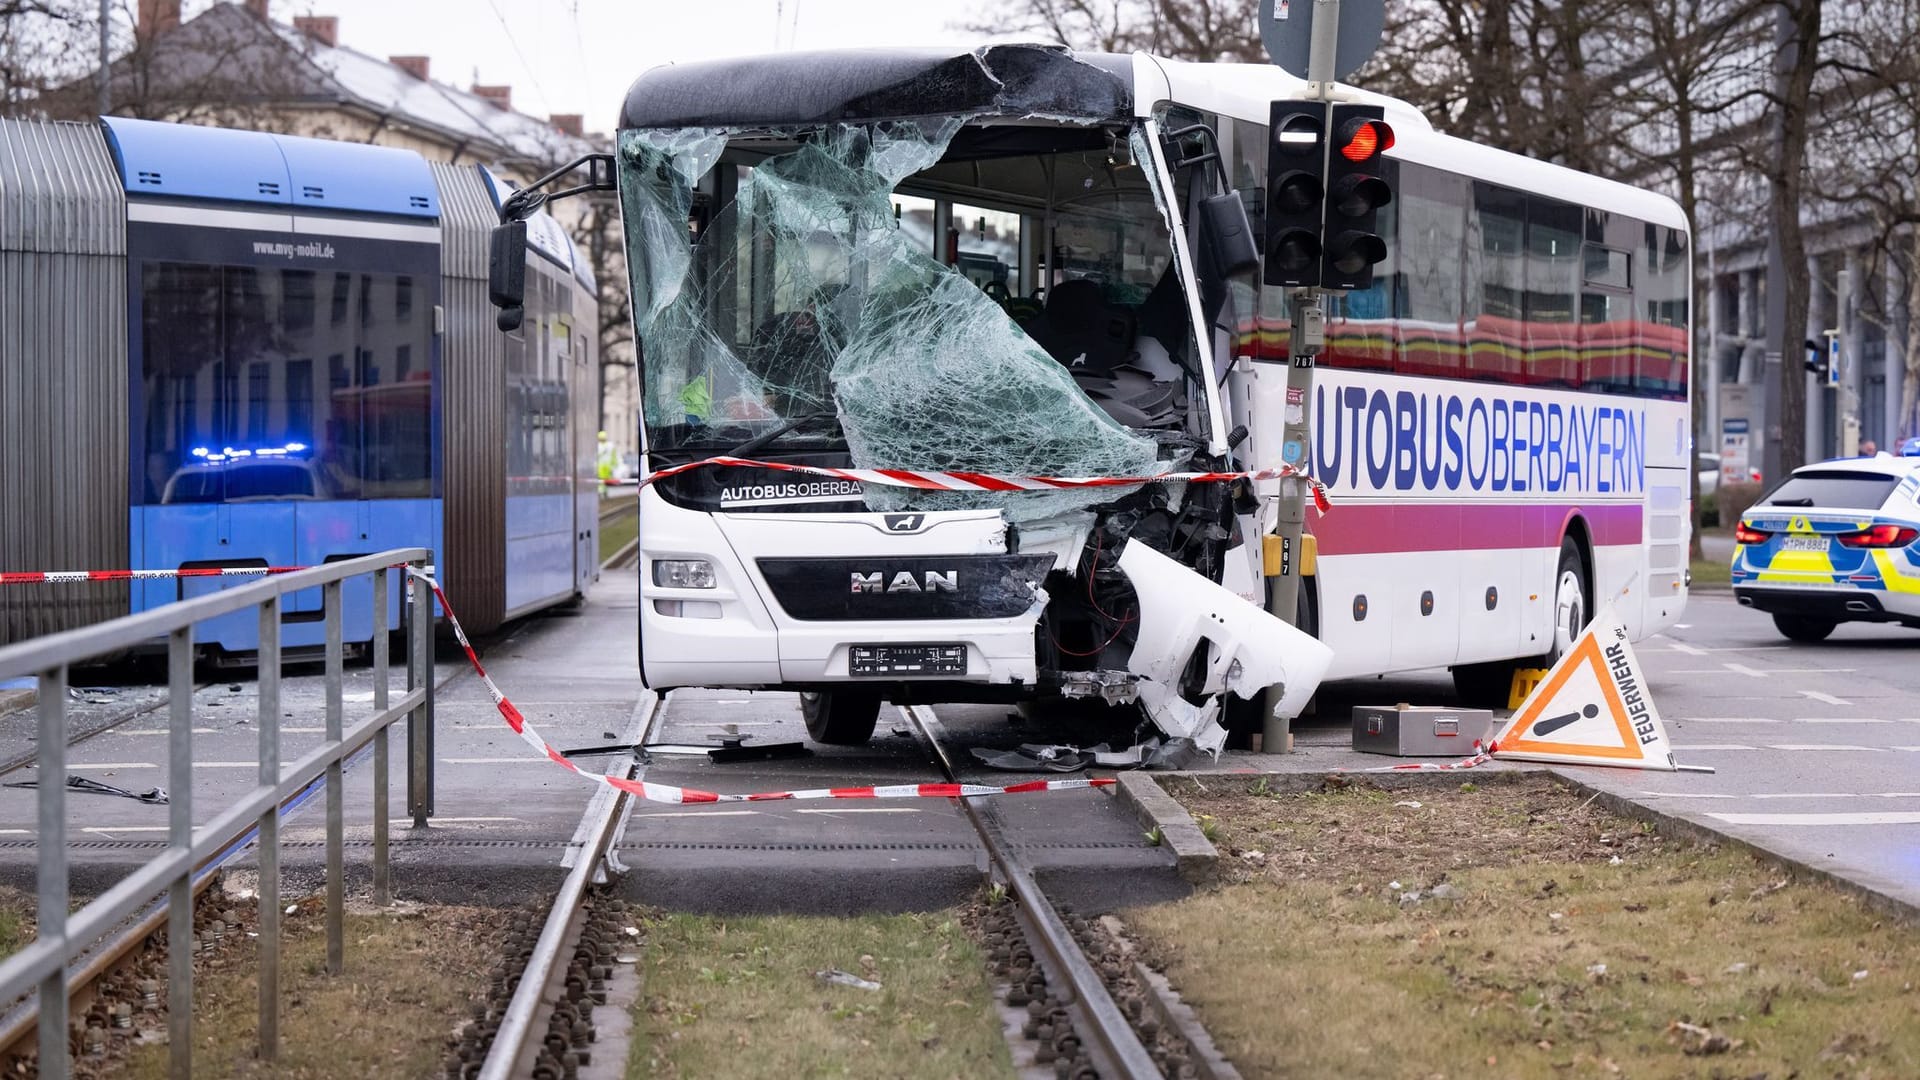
[880,660]
[1804,543]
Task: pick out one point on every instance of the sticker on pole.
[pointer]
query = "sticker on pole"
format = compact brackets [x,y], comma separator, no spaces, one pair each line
[1591,709]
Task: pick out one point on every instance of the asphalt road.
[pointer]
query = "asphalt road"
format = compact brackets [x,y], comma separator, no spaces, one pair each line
[1816,747]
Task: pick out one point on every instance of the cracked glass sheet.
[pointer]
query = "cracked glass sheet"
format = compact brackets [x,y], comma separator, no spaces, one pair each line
[921,369]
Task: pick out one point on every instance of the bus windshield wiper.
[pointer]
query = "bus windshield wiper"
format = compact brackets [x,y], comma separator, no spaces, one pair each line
[759,442]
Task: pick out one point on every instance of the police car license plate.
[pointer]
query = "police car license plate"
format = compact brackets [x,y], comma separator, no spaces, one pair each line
[882,660]
[1804,543]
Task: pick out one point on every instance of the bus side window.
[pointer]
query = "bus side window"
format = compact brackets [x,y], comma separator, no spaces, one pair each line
[1432,210]
[1496,230]
[1660,303]
[1553,283]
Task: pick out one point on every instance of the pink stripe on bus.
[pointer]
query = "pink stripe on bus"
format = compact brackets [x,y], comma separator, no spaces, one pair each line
[1379,529]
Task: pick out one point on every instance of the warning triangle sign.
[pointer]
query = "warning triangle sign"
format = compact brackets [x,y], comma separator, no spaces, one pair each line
[1592,708]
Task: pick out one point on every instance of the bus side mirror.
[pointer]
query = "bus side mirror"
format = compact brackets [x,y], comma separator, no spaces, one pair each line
[1227,245]
[507,274]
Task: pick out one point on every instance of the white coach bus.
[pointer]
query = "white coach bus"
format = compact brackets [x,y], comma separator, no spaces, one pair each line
[975,267]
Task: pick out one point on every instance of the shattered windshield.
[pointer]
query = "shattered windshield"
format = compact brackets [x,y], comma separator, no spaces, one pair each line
[915,295]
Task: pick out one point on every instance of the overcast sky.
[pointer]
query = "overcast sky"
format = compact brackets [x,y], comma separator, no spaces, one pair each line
[579,56]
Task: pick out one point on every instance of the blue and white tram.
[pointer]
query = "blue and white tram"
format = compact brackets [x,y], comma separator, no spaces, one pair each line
[275,351]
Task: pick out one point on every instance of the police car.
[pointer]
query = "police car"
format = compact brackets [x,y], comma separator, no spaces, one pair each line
[1838,542]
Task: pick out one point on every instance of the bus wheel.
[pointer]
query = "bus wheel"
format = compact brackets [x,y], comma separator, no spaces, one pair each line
[841,717]
[1571,608]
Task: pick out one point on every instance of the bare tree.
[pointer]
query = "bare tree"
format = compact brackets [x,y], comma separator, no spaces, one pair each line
[1791,109]
[1210,30]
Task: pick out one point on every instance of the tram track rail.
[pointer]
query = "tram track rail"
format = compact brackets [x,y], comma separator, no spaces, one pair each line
[1114,1048]
[541,1026]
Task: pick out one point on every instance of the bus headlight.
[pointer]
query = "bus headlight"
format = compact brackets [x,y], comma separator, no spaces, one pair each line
[683,573]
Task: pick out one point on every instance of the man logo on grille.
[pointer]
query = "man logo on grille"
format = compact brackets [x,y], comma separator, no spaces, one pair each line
[930,581]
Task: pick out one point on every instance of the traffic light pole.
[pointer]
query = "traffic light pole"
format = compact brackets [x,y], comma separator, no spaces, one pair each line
[1306,338]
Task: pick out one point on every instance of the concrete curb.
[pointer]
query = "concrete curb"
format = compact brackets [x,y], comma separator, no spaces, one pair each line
[17,700]
[1194,855]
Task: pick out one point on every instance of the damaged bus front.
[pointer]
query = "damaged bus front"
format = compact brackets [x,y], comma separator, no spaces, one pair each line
[967,270]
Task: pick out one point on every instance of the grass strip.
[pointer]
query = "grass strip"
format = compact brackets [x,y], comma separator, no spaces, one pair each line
[408,984]
[1567,942]
[1712,572]
[739,998]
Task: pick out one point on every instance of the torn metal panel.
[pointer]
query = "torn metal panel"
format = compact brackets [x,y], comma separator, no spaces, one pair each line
[864,86]
[1247,649]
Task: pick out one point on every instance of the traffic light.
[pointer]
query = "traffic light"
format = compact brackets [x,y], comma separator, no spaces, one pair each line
[1355,194]
[1833,359]
[1296,190]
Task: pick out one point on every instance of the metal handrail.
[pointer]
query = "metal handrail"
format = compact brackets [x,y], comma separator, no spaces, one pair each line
[63,936]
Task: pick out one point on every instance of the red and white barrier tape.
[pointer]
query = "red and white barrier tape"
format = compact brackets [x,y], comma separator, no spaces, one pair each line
[55,577]
[988,482]
[667,794]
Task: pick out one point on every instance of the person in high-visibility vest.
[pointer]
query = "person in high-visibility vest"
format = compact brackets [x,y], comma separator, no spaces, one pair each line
[606,462]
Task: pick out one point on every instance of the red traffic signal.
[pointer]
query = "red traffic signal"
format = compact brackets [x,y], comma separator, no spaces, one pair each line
[1362,139]
[1358,188]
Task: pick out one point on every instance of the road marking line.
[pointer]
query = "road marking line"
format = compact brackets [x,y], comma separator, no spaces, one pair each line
[1786,795]
[438,820]
[864,810]
[487,760]
[1742,669]
[699,813]
[1727,720]
[72,766]
[1824,698]
[1822,746]
[164,731]
[1909,749]
[16,832]
[1863,818]
[228,764]
[1839,720]
[1690,650]
[111,829]
[1683,626]
[1714,746]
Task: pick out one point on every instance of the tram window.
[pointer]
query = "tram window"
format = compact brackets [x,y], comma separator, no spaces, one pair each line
[296,300]
[227,363]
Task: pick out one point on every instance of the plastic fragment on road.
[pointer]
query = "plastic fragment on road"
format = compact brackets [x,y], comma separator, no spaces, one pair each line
[1247,648]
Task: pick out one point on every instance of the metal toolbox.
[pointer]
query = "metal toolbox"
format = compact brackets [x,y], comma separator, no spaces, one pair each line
[1420,730]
